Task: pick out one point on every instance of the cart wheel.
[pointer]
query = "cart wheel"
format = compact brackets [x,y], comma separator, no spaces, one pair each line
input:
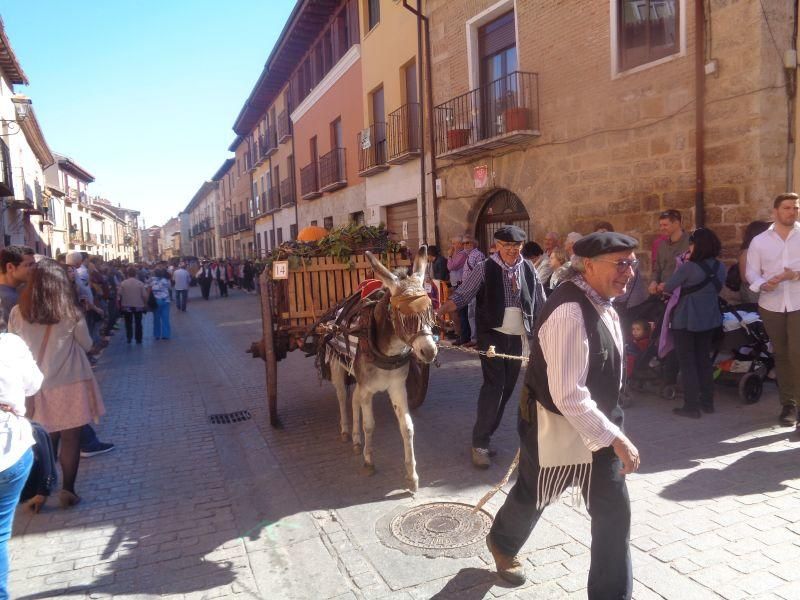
[750,387]
[669,392]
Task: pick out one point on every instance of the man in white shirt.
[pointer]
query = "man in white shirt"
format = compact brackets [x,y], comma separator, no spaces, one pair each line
[181,280]
[773,268]
[571,421]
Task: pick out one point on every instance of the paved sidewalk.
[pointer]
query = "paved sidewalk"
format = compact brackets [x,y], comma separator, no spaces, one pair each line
[186,509]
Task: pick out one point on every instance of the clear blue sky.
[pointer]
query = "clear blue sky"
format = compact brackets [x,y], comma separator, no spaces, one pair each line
[142,93]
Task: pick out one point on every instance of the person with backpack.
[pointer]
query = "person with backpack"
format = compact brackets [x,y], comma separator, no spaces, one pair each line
[695,318]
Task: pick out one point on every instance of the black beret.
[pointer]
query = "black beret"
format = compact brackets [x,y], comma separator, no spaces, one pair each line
[603,242]
[510,233]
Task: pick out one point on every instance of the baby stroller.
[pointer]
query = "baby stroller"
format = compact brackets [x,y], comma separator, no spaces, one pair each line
[649,372]
[743,353]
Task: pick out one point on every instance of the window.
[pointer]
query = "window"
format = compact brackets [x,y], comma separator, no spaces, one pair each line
[373,13]
[280,235]
[314,223]
[293,231]
[327,223]
[647,30]
[357,218]
[272,239]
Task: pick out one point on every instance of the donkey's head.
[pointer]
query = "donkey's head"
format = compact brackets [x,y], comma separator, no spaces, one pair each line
[409,306]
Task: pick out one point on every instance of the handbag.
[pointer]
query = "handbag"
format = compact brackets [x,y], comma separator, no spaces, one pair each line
[152,303]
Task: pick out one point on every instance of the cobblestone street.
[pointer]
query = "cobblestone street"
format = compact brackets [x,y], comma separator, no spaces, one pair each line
[188,509]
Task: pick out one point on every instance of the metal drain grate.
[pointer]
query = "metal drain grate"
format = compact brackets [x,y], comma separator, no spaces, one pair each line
[231,417]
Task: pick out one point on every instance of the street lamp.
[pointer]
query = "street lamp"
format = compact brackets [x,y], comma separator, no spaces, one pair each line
[22,109]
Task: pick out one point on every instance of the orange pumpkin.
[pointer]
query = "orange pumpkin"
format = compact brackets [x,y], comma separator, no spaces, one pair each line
[311,234]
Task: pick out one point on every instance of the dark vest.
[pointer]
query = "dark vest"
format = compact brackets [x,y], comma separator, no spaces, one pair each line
[490,306]
[605,362]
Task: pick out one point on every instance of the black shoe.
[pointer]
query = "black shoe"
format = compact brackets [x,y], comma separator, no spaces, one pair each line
[708,408]
[692,413]
[96,448]
[788,416]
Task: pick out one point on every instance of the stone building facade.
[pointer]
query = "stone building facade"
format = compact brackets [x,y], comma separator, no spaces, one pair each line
[602,140]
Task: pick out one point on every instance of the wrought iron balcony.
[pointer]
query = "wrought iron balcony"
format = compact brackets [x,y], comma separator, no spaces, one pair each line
[372,150]
[75,236]
[244,222]
[500,113]
[332,172]
[309,182]
[403,134]
[270,144]
[287,191]
[274,198]
[284,126]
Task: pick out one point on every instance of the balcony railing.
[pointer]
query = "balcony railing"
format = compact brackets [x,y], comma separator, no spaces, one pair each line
[287,191]
[284,126]
[372,150]
[92,239]
[75,236]
[403,134]
[274,198]
[244,222]
[332,173]
[270,145]
[309,182]
[503,112]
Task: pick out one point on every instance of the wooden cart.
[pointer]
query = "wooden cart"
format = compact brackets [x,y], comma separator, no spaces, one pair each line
[292,305]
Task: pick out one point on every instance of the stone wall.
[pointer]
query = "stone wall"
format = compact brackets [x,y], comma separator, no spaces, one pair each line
[622,148]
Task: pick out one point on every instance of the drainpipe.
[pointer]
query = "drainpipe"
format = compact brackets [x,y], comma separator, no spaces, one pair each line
[270,178]
[425,89]
[791,83]
[699,124]
[294,178]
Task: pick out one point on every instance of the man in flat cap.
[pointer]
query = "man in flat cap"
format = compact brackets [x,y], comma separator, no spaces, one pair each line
[509,296]
[571,421]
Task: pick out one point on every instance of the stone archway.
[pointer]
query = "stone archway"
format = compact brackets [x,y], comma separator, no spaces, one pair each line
[501,208]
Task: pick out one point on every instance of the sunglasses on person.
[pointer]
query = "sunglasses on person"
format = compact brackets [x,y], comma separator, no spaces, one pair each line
[623,264]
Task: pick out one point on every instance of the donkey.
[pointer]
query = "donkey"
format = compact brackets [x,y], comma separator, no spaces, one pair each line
[402,328]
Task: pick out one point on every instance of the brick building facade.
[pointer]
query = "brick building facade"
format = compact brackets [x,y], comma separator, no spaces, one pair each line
[602,139]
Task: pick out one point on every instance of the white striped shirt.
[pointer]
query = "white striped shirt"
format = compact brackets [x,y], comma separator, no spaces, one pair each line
[565,346]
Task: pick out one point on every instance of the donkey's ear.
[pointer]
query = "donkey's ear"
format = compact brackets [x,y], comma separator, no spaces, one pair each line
[421,262]
[381,272]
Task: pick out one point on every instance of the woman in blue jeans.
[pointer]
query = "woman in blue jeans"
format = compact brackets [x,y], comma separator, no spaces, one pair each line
[695,319]
[19,377]
[159,285]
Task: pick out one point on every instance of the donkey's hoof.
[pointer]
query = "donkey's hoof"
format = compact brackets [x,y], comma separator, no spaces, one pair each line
[345,435]
[369,470]
[412,483]
[357,448]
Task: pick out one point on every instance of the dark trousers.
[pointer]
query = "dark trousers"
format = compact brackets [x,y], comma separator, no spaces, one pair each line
[499,378]
[697,371]
[88,437]
[205,288]
[223,287]
[180,299]
[784,333]
[133,319]
[465,334]
[610,570]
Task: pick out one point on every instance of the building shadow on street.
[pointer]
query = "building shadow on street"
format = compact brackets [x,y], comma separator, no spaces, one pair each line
[756,473]
[468,584]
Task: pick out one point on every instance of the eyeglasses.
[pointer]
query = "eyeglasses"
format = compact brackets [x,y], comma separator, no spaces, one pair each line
[622,265]
[509,245]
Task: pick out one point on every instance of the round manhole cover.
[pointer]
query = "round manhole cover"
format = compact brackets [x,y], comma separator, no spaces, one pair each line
[437,529]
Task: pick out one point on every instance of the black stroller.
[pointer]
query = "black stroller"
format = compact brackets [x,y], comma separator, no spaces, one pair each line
[742,352]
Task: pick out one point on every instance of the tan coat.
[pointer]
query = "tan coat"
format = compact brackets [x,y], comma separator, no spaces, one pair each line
[133,294]
[64,360]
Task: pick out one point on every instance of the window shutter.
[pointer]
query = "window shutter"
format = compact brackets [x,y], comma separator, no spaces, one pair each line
[497,35]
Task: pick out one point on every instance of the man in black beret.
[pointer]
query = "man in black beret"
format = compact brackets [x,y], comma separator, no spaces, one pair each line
[509,296]
[571,421]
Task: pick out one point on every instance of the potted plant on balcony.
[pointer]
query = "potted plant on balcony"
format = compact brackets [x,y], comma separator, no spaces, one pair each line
[457,137]
[515,117]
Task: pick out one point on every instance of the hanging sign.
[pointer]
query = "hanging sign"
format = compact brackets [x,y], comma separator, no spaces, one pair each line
[365,141]
[480,176]
[405,230]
